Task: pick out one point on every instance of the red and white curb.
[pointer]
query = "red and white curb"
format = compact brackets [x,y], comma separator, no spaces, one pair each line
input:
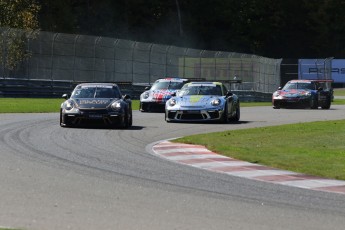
[200,157]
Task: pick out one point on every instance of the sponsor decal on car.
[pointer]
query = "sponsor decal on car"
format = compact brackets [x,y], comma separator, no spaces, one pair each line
[93,102]
[195,98]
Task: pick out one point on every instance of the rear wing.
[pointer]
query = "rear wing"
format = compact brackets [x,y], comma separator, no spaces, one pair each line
[322,80]
[230,83]
[325,84]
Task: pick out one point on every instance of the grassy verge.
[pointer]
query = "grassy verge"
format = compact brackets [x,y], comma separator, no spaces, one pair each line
[52,105]
[315,148]
[339,92]
[36,105]
[46,105]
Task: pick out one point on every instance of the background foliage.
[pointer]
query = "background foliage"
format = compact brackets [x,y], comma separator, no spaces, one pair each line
[270,28]
[17,14]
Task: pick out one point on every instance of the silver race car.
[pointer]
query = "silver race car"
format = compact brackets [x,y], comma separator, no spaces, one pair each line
[203,101]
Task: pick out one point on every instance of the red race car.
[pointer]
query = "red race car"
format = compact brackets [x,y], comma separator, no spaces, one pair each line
[304,93]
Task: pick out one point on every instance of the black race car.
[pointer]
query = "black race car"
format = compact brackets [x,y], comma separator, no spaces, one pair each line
[96,103]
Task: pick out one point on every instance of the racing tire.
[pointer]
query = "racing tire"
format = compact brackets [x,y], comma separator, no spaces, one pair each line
[276,105]
[328,105]
[65,124]
[130,119]
[165,118]
[237,114]
[313,103]
[144,108]
[61,119]
[225,117]
[126,121]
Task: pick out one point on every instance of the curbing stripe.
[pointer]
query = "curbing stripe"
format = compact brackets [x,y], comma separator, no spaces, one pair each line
[200,157]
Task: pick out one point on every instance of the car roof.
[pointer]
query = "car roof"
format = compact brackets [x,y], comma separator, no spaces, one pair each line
[177,79]
[96,84]
[204,83]
[309,80]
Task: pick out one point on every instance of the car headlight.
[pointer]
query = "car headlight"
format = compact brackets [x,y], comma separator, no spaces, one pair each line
[215,102]
[69,105]
[116,105]
[275,94]
[307,94]
[172,102]
[145,95]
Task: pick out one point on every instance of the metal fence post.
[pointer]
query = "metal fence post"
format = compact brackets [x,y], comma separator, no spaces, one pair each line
[94,57]
[52,57]
[133,46]
[115,45]
[75,54]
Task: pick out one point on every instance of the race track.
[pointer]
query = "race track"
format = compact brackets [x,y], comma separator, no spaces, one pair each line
[94,178]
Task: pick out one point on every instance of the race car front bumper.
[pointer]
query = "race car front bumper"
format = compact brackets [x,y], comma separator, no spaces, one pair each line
[194,115]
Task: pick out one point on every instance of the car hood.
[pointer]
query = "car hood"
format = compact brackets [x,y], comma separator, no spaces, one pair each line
[196,100]
[162,92]
[93,103]
[293,92]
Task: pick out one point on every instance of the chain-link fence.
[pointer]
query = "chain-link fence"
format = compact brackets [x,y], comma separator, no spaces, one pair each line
[80,58]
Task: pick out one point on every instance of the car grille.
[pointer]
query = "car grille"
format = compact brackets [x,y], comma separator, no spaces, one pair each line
[94,111]
[193,115]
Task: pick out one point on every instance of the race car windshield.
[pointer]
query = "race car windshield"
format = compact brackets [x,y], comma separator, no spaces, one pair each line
[96,92]
[167,85]
[298,85]
[201,90]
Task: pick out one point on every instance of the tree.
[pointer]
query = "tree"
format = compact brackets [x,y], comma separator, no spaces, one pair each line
[17,14]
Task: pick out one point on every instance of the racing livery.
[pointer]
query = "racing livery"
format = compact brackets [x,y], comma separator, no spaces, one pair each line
[99,103]
[304,93]
[160,92]
[203,101]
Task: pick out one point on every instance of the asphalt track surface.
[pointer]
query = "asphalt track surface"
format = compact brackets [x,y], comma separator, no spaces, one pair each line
[97,178]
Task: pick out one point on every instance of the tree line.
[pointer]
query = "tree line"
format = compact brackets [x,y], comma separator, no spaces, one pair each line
[270,28]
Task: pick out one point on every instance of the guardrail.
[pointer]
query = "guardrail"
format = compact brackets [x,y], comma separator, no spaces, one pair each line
[14,87]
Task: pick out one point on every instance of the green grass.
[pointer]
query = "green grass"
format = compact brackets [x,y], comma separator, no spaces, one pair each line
[52,105]
[316,148]
[37,105]
[339,92]
[338,102]
[8,229]
[48,105]
[29,105]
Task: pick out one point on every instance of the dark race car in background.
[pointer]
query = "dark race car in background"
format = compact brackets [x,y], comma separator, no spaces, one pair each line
[203,101]
[154,99]
[96,103]
[305,94]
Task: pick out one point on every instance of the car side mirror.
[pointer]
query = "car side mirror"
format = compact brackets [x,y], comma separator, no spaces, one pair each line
[65,96]
[279,88]
[126,97]
[147,88]
[229,94]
